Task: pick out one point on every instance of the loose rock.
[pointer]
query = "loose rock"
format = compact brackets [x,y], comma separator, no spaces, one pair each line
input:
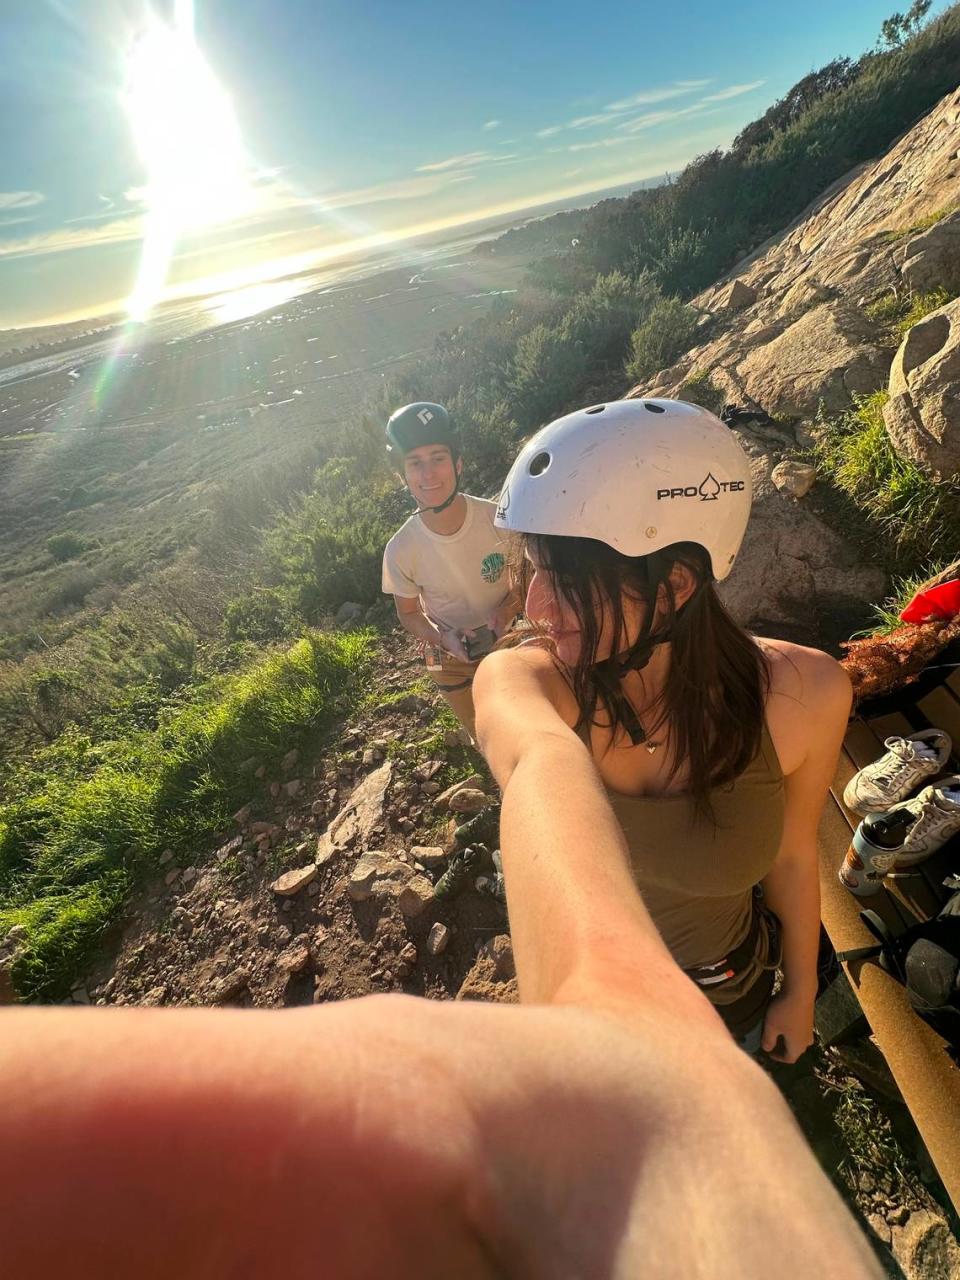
[415,896]
[794,478]
[468,801]
[375,873]
[437,938]
[361,817]
[429,856]
[295,959]
[292,882]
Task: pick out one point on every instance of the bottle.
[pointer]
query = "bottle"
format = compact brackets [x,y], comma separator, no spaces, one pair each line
[876,842]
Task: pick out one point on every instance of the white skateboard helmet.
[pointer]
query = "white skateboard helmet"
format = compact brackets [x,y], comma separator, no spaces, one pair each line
[638,475]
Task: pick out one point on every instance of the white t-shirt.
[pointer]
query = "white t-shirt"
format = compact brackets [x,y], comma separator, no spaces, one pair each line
[460,578]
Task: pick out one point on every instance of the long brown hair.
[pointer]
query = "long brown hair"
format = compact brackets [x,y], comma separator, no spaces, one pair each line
[717,682]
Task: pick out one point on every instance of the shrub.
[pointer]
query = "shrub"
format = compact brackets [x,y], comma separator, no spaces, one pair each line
[330,548]
[71,591]
[66,545]
[548,369]
[665,335]
[261,617]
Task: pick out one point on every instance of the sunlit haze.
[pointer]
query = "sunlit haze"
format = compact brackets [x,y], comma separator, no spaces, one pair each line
[163,150]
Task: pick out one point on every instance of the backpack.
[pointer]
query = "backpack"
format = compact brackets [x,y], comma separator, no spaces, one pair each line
[926,959]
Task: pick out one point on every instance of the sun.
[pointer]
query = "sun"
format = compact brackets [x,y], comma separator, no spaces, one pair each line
[188,138]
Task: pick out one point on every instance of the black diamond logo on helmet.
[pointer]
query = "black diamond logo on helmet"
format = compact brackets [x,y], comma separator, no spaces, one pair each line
[709,489]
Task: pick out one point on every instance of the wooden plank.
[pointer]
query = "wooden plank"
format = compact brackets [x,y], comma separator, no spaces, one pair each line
[942,710]
[918,1058]
[862,744]
[888,726]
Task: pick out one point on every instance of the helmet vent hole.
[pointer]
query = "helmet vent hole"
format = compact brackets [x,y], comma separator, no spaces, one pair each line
[539,464]
[597,408]
[653,408]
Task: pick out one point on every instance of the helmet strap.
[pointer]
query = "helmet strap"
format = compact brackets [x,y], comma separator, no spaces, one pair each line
[443,505]
[612,670]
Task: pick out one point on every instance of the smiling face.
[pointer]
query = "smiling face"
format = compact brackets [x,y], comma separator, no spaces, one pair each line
[431,473]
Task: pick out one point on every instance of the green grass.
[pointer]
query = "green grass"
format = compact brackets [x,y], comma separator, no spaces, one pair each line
[897,313]
[921,305]
[85,823]
[922,224]
[887,310]
[917,519]
[903,589]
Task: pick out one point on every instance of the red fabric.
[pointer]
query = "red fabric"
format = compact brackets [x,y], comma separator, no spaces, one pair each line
[938,602]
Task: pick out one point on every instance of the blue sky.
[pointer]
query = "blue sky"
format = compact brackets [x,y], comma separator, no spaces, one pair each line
[319,125]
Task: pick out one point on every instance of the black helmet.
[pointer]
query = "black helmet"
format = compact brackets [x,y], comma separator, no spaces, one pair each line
[418,424]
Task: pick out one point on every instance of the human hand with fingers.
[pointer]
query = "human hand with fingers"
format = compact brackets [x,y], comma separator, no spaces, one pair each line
[788,1027]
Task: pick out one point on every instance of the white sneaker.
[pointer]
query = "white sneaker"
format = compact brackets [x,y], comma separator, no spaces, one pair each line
[903,766]
[937,819]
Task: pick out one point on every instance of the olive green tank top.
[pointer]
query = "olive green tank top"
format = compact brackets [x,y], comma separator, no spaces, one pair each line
[697,878]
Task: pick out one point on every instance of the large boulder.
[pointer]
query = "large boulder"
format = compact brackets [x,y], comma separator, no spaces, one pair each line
[824,357]
[922,415]
[932,258]
[796,578]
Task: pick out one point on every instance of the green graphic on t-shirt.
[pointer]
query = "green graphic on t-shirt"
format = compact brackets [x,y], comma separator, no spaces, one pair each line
[492,566]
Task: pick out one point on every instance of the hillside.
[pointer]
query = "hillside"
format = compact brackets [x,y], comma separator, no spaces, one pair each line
[226,781]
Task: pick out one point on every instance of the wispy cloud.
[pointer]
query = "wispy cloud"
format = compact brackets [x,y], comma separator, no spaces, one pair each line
[598,144]
[464,161]
[20,199]
[63,239]
[647,97]
[277,204]
[587,122]
[492,124]
[626,106]
[653,118]
[14,222]
[734,91]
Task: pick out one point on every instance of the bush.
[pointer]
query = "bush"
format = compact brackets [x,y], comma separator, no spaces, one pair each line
[66,545]
[330,549]
[261,617]
[602,320]
[548,369]
[665,335]
[71,591]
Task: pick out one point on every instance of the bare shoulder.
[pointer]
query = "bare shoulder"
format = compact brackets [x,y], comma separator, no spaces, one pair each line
[808,703]
[807,676]
[523,665]
[516,679]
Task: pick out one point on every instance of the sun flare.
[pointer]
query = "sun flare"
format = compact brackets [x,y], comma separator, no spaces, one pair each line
[188,138]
